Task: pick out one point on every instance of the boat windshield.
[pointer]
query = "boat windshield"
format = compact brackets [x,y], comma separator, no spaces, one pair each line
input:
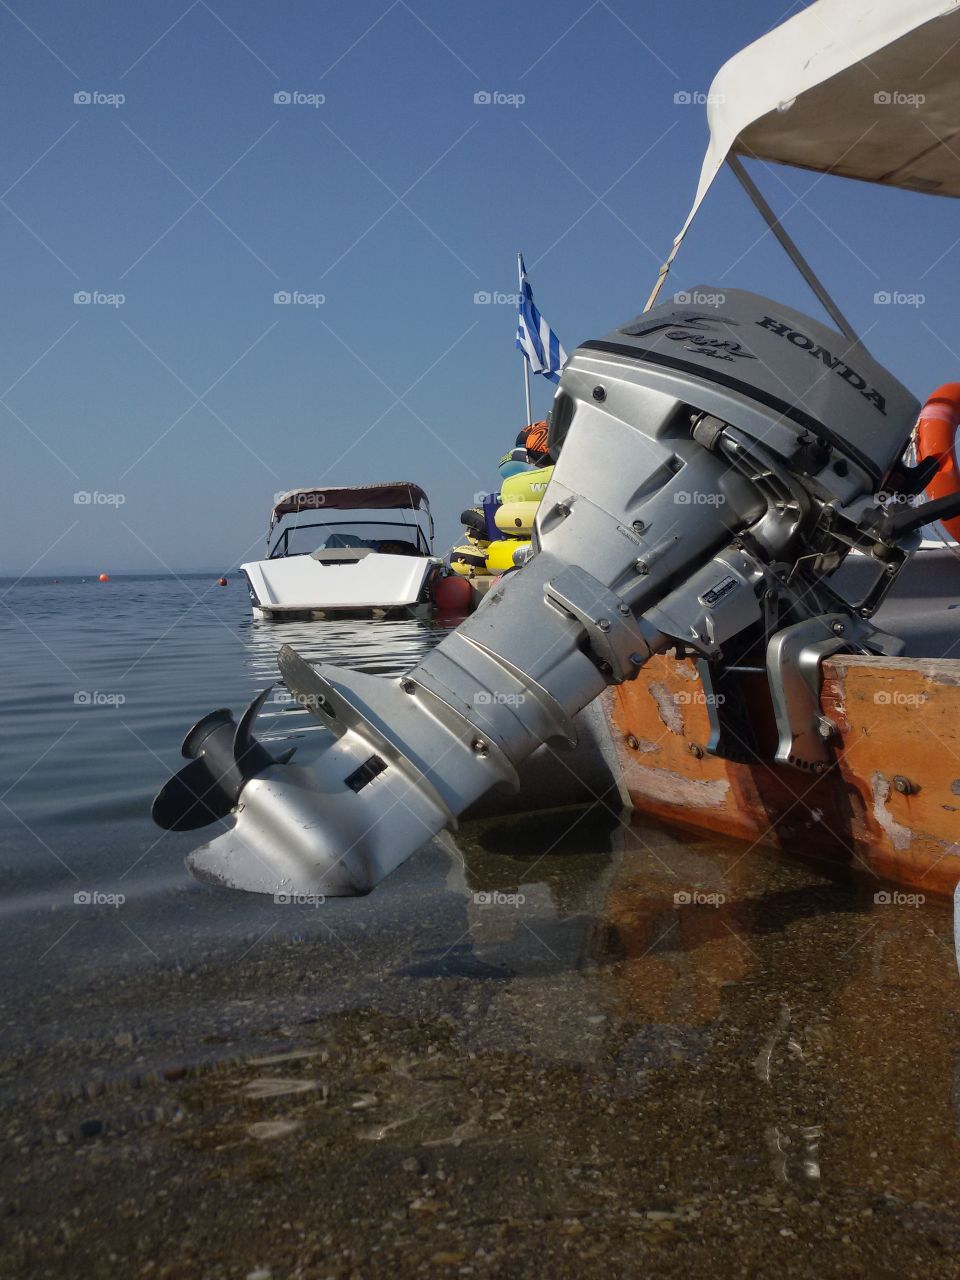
[392,537]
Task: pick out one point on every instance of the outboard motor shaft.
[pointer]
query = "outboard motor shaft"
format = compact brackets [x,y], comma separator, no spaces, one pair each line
[715,465]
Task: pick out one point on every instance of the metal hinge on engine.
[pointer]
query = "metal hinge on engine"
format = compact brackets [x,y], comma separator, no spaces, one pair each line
[620,642]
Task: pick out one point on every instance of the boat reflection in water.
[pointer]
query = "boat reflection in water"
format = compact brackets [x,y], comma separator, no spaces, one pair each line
[378,646]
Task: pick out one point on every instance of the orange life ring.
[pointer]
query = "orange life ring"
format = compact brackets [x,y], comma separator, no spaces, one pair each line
[936,438]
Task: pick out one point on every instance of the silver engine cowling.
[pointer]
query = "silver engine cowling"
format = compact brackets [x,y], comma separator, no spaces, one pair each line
[715,466]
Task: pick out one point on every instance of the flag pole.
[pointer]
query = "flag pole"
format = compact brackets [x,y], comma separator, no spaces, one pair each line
[526,362]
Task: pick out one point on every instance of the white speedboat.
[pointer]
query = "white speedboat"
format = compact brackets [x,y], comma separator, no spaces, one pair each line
[366,550]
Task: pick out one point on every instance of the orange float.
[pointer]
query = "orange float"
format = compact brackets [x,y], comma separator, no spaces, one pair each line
[936,438]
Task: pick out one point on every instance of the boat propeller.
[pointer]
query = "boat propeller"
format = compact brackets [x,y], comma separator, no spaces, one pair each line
[224,755]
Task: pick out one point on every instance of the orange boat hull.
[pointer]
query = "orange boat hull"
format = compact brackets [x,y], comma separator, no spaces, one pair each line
[890,805]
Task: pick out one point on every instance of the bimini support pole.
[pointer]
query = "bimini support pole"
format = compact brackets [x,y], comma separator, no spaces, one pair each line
[796,257]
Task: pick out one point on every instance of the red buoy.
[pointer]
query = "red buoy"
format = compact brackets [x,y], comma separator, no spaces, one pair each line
[221,582]
[104,577]
[453,594]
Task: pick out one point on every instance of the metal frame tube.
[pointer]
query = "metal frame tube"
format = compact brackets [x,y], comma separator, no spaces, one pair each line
[796,257]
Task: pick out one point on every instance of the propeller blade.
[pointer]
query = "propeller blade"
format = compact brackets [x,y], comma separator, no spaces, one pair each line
[213,720]
[190,799]
[243,739]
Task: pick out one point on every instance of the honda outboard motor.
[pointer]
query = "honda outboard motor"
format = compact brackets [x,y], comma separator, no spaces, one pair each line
[715,466]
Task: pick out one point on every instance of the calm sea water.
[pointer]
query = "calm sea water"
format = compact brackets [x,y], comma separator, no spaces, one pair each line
[103,680]
[100,682]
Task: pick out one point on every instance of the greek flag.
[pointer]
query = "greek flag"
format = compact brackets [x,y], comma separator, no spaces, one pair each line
[535,338]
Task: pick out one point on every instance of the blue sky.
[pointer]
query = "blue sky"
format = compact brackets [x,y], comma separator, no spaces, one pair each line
[397,199]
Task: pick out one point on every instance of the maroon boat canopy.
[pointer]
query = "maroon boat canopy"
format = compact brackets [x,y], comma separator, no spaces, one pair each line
[361,497]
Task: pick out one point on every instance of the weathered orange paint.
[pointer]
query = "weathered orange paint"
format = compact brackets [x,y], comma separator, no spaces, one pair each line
[897,723]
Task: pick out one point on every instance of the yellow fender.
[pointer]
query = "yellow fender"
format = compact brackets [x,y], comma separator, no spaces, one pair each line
[516,518]
[500,554]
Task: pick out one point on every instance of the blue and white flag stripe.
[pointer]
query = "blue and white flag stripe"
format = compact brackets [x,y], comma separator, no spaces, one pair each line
[535,338]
